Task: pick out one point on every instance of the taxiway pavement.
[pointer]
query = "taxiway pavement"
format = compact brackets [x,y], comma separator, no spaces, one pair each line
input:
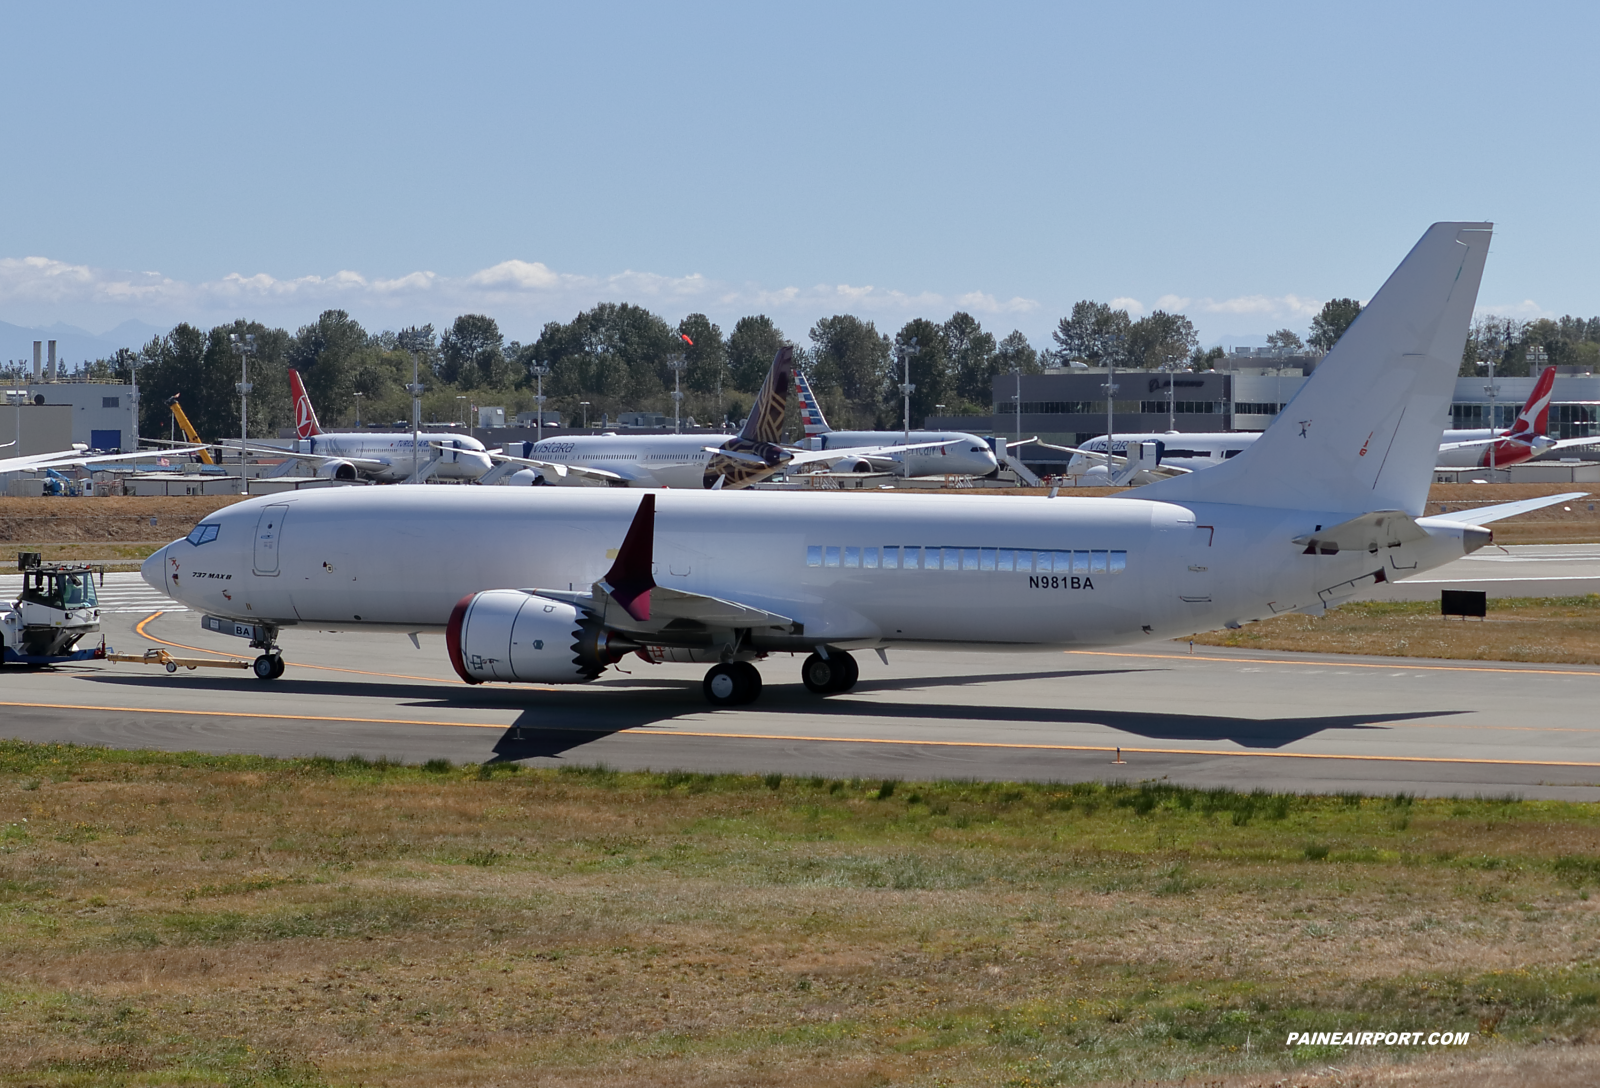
[1241,719]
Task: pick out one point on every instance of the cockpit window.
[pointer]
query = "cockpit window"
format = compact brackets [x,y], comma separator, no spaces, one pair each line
[203,534]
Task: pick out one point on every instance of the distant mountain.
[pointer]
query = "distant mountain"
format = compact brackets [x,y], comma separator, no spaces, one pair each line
[74,345]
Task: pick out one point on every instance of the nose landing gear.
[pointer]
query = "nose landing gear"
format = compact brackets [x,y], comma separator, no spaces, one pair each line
[268,666]
[830,675]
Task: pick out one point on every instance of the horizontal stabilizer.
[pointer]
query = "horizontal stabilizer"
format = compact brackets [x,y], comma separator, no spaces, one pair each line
[1483,515]
[1368,533]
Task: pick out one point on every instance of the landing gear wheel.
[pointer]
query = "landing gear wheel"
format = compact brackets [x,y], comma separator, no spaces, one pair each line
[830,675]
[732,684]
[268,667]
[277,666]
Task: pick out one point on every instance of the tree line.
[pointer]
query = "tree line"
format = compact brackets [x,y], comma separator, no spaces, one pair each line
[620,357]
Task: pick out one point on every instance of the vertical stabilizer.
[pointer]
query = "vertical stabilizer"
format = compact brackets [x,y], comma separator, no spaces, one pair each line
[765,422]
[305,416]
[1363,432]
[810,410]
[1534,419]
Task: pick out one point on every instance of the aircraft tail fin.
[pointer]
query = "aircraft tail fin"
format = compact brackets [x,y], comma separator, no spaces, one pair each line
[1362,434]
[810,410]
[305,416]
[1534,419]
[765,422]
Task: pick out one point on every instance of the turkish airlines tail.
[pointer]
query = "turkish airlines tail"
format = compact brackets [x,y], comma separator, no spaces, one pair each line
[1363,432]
[810,410]
[1534,419]
[305,416]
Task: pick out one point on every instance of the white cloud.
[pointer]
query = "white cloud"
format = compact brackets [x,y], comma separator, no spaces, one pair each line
[1526,310]
[1173,304]
[1134,307]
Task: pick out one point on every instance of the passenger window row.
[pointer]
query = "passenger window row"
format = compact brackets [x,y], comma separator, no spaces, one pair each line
[904,557]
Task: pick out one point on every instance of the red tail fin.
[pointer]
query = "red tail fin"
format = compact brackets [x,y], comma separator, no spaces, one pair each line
[305,416]
[1535,415]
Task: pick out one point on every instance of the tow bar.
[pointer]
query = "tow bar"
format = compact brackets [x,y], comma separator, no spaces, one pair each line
[173,664]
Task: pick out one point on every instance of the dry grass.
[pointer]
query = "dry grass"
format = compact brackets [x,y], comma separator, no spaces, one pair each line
[1560,630]
[168,919]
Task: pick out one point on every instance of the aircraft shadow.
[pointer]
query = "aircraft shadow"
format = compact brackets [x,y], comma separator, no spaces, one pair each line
[556,721]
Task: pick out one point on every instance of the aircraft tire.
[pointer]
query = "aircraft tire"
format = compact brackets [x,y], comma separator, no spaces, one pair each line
[829,675]
[732,684]
[277,666]
[267,667]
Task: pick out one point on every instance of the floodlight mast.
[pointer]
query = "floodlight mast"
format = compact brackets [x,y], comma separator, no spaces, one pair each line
[1111,388]
[244,346]
[676,363]
[415,389]
[907,350]
[539,371]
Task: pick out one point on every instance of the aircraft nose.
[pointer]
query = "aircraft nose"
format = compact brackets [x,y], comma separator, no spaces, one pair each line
[153,570]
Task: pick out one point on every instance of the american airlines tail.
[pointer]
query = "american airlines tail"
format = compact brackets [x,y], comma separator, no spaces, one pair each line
[810,410]
[305,416]
[1363,432]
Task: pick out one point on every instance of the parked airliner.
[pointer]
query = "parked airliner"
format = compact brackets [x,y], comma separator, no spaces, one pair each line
[917,453]
[554,585]
[1527,437]
[383,457]
[681,460]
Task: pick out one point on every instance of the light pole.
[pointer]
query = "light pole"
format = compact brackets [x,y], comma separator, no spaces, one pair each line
[461,408]
[907,350]
[1172,407]
[539,372]
[585,405]
[244,346]
[1016,399]
[676,363]
[415,389]
[1111,389]
[358,397]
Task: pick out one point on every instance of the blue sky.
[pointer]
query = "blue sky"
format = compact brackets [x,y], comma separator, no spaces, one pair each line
[1240,162]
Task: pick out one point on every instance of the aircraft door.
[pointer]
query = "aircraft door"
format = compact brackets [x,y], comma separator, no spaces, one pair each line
[269,537]
[1194,581]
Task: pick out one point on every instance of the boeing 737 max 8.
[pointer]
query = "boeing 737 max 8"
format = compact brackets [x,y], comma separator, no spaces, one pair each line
[554,585]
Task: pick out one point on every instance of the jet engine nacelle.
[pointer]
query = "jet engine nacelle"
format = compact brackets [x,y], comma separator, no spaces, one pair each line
[336,470]
[510,635]
[858,465]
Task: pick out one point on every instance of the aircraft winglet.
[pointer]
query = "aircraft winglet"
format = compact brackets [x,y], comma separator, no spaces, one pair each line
[629,578]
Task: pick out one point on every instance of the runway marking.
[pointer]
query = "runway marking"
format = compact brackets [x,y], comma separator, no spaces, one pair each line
[139,629]
[801,738]
[1339,664]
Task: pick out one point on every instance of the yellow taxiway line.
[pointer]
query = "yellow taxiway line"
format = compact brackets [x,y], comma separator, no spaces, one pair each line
[1398,666]
[807,739]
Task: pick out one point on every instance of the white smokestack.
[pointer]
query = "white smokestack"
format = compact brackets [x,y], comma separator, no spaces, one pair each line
[38,349]
[51,368]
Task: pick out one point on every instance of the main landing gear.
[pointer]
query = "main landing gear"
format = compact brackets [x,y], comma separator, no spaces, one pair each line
[830,675]
[735,683]
[732,684]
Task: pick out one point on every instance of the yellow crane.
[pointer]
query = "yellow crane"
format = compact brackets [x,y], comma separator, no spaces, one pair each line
[187,428]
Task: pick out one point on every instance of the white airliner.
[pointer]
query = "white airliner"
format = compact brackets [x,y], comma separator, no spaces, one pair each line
[1527,437]
[682,460]
[553,585]
[919,453]
[384,458]
[76,457]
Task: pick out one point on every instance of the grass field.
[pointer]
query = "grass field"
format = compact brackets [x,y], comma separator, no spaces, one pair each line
[183,919]
[1562,630]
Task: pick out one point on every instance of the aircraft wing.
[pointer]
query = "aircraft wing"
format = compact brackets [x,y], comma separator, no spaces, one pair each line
[869,453]
[561,471]
[66,458]
[628,601]
[1117,458]
[365,464]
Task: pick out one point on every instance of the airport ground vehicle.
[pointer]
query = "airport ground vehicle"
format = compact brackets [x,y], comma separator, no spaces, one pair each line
[55,610]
